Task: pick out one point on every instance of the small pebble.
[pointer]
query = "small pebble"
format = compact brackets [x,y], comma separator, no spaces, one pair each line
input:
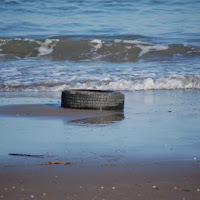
[195,158]
[113,188]
[2,196]
[22,189]
[13,187]
[198,190]
[44,194]
[81,187]
[6,189]
[175,188]
[156,188]
[32,196]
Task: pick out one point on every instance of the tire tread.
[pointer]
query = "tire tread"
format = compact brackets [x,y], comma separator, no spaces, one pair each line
[92,99]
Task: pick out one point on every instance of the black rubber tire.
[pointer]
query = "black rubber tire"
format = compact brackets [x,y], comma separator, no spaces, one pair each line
[92,99]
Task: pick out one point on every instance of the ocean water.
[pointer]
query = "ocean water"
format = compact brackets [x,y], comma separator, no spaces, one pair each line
[99,44]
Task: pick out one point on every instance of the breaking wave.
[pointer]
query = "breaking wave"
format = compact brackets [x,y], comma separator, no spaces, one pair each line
[165,83]
[110,50]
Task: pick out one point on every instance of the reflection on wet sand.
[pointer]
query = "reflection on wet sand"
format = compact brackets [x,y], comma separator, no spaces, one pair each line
[74,116]
[99,121]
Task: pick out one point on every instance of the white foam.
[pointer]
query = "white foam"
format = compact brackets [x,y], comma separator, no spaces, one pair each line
[97,44]
[29,40]
[128,47]
[3,42]
[133,42]
[147,48]
[47,46]
[169,83]
[117,41]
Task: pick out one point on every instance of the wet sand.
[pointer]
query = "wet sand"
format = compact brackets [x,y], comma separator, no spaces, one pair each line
[51,110]
[105,160]
[163,181]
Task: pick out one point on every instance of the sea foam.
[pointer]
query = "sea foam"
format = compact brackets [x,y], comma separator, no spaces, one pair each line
[145,47]
[96,44]
[164,83]
[47,47]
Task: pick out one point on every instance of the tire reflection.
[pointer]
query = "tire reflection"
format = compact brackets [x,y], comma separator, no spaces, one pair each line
[99,121]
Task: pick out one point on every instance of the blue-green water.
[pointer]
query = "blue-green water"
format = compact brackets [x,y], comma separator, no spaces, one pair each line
[86,18]
[101,44]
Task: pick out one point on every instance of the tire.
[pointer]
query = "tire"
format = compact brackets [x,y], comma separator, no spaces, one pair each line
[92,99]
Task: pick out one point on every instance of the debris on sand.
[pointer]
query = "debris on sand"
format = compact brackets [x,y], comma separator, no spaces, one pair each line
[28,155]
[56,163]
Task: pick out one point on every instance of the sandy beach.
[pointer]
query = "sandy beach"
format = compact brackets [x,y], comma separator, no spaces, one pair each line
[140,181]
[150,151]
[149,50]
